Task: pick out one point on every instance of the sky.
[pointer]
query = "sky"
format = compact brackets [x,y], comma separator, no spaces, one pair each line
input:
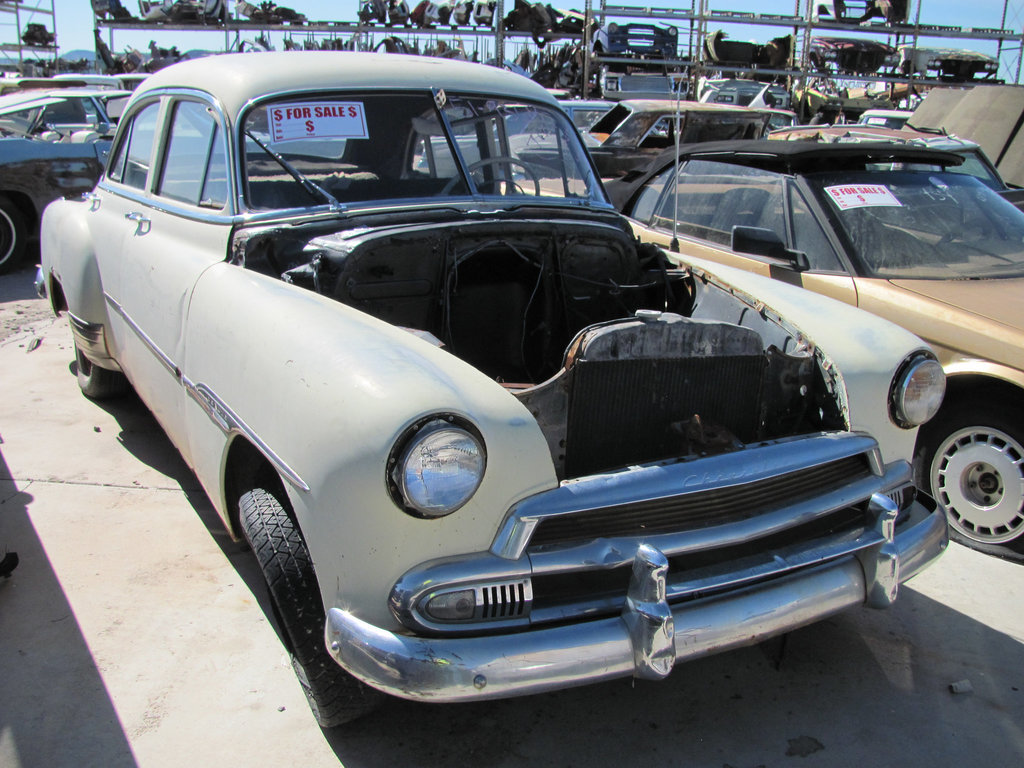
[74,23]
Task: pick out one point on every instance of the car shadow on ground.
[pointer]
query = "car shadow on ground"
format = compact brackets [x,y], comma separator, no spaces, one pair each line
[788,697]
[43,645]
[864,676]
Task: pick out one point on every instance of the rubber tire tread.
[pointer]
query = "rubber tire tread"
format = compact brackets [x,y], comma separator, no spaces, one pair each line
[1008,419]
[98,383]
[334,696]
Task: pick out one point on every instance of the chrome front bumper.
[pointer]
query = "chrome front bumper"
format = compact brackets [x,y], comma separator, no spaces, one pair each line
[647,639]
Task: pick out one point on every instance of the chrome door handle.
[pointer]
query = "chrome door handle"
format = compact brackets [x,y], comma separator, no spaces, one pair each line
[142,224]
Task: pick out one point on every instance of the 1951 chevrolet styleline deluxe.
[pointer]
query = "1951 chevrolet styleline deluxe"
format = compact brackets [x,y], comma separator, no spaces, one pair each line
[482,441]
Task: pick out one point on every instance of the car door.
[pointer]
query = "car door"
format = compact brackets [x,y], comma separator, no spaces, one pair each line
[696,209]
[172,230]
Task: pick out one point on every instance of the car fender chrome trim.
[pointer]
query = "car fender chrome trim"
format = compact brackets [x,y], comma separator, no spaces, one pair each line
[218,411]
[160,355]
[231,423]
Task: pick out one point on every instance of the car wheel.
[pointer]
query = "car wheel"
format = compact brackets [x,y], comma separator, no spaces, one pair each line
[13,233]
[974,459]
[98,383]
[334,696]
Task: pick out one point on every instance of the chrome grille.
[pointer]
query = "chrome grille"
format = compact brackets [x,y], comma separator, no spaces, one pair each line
[702,509]
[503,601]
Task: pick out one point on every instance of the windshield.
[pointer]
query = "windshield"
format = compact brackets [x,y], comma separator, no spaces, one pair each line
[924,224]
[359,147]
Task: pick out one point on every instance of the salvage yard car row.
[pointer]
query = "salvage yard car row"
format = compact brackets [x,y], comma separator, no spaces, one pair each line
[483,440]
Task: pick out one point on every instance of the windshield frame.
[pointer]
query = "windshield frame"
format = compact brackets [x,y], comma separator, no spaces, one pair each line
[575,162]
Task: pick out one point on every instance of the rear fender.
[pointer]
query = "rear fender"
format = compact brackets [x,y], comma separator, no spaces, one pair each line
[69,259]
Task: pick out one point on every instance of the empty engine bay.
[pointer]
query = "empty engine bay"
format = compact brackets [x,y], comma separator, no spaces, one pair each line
[550,310]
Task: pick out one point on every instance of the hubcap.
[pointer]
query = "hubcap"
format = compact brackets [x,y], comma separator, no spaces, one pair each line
[978,477]
[6,236]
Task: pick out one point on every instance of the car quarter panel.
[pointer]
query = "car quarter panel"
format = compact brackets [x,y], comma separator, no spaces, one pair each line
[342,386]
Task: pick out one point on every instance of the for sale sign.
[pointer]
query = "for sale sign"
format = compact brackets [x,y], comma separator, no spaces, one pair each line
[318,120]
[847,196]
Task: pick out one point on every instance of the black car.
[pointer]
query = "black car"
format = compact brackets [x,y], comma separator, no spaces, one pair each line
[34,172]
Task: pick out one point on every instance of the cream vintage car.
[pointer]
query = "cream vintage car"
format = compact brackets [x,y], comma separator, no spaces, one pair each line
[482,441]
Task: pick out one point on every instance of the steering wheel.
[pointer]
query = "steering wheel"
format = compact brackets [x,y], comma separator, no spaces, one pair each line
[472,167]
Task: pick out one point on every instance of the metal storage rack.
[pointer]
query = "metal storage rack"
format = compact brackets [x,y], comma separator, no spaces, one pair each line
[697,19]
[23,14]
[802,25]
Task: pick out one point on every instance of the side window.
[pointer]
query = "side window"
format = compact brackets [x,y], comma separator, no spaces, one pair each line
[67,112]
[643,208]
[715,197]
[195,167]
[130,161]
[809,237]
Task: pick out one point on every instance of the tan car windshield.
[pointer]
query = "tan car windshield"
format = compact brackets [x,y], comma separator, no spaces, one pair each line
[925,224]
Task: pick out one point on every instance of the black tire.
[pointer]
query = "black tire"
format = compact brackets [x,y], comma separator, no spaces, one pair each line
[13,235]
[98,383]
[334,696]
[971,459]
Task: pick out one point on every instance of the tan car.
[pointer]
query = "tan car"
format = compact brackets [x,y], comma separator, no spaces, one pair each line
[896,230]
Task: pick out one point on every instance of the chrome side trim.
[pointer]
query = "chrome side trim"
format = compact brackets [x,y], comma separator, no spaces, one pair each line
[230,422]
[215,408]
[499,666]
[666,479]
[91,339]
[153,347]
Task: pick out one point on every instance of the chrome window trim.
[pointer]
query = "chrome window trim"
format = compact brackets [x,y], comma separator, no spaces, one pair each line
[168,98]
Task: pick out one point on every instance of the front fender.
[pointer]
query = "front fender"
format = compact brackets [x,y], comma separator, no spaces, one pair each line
[329,390]
[867,350]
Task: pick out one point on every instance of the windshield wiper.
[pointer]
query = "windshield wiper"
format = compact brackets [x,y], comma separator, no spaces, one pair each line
[311,187]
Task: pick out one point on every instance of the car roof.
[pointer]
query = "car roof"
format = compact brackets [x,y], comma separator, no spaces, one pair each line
[794,156]
[41,97]
[779,156]
[854,132]
[235,79]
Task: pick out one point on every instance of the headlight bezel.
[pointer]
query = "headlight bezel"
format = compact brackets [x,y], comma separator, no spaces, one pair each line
[412,439]
[902,413]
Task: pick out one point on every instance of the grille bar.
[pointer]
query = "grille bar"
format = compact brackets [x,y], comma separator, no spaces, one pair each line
[691,511]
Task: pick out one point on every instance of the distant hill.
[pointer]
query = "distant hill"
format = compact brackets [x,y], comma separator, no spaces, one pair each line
[77,54]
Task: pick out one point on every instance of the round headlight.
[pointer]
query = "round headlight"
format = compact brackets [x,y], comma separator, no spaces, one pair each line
[917,391]
[438,468]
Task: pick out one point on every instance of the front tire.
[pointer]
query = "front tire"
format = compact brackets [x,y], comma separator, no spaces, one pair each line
[334,696]
[973,463]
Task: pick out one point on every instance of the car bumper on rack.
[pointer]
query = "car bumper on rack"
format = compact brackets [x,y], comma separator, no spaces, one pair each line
[647,638]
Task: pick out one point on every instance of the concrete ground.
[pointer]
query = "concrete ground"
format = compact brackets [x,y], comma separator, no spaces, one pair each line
[134,633]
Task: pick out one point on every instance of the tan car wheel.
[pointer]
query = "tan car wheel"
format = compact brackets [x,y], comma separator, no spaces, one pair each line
[977,474]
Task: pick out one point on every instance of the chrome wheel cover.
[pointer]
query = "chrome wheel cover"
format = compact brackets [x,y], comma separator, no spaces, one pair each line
[8,236]
[977,476]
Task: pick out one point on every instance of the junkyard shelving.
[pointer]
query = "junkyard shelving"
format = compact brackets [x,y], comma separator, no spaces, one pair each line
[14,16]
[700,17]
[234,29]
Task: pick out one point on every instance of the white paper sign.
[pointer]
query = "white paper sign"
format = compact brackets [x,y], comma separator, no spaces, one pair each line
[318,120]
[848,196]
